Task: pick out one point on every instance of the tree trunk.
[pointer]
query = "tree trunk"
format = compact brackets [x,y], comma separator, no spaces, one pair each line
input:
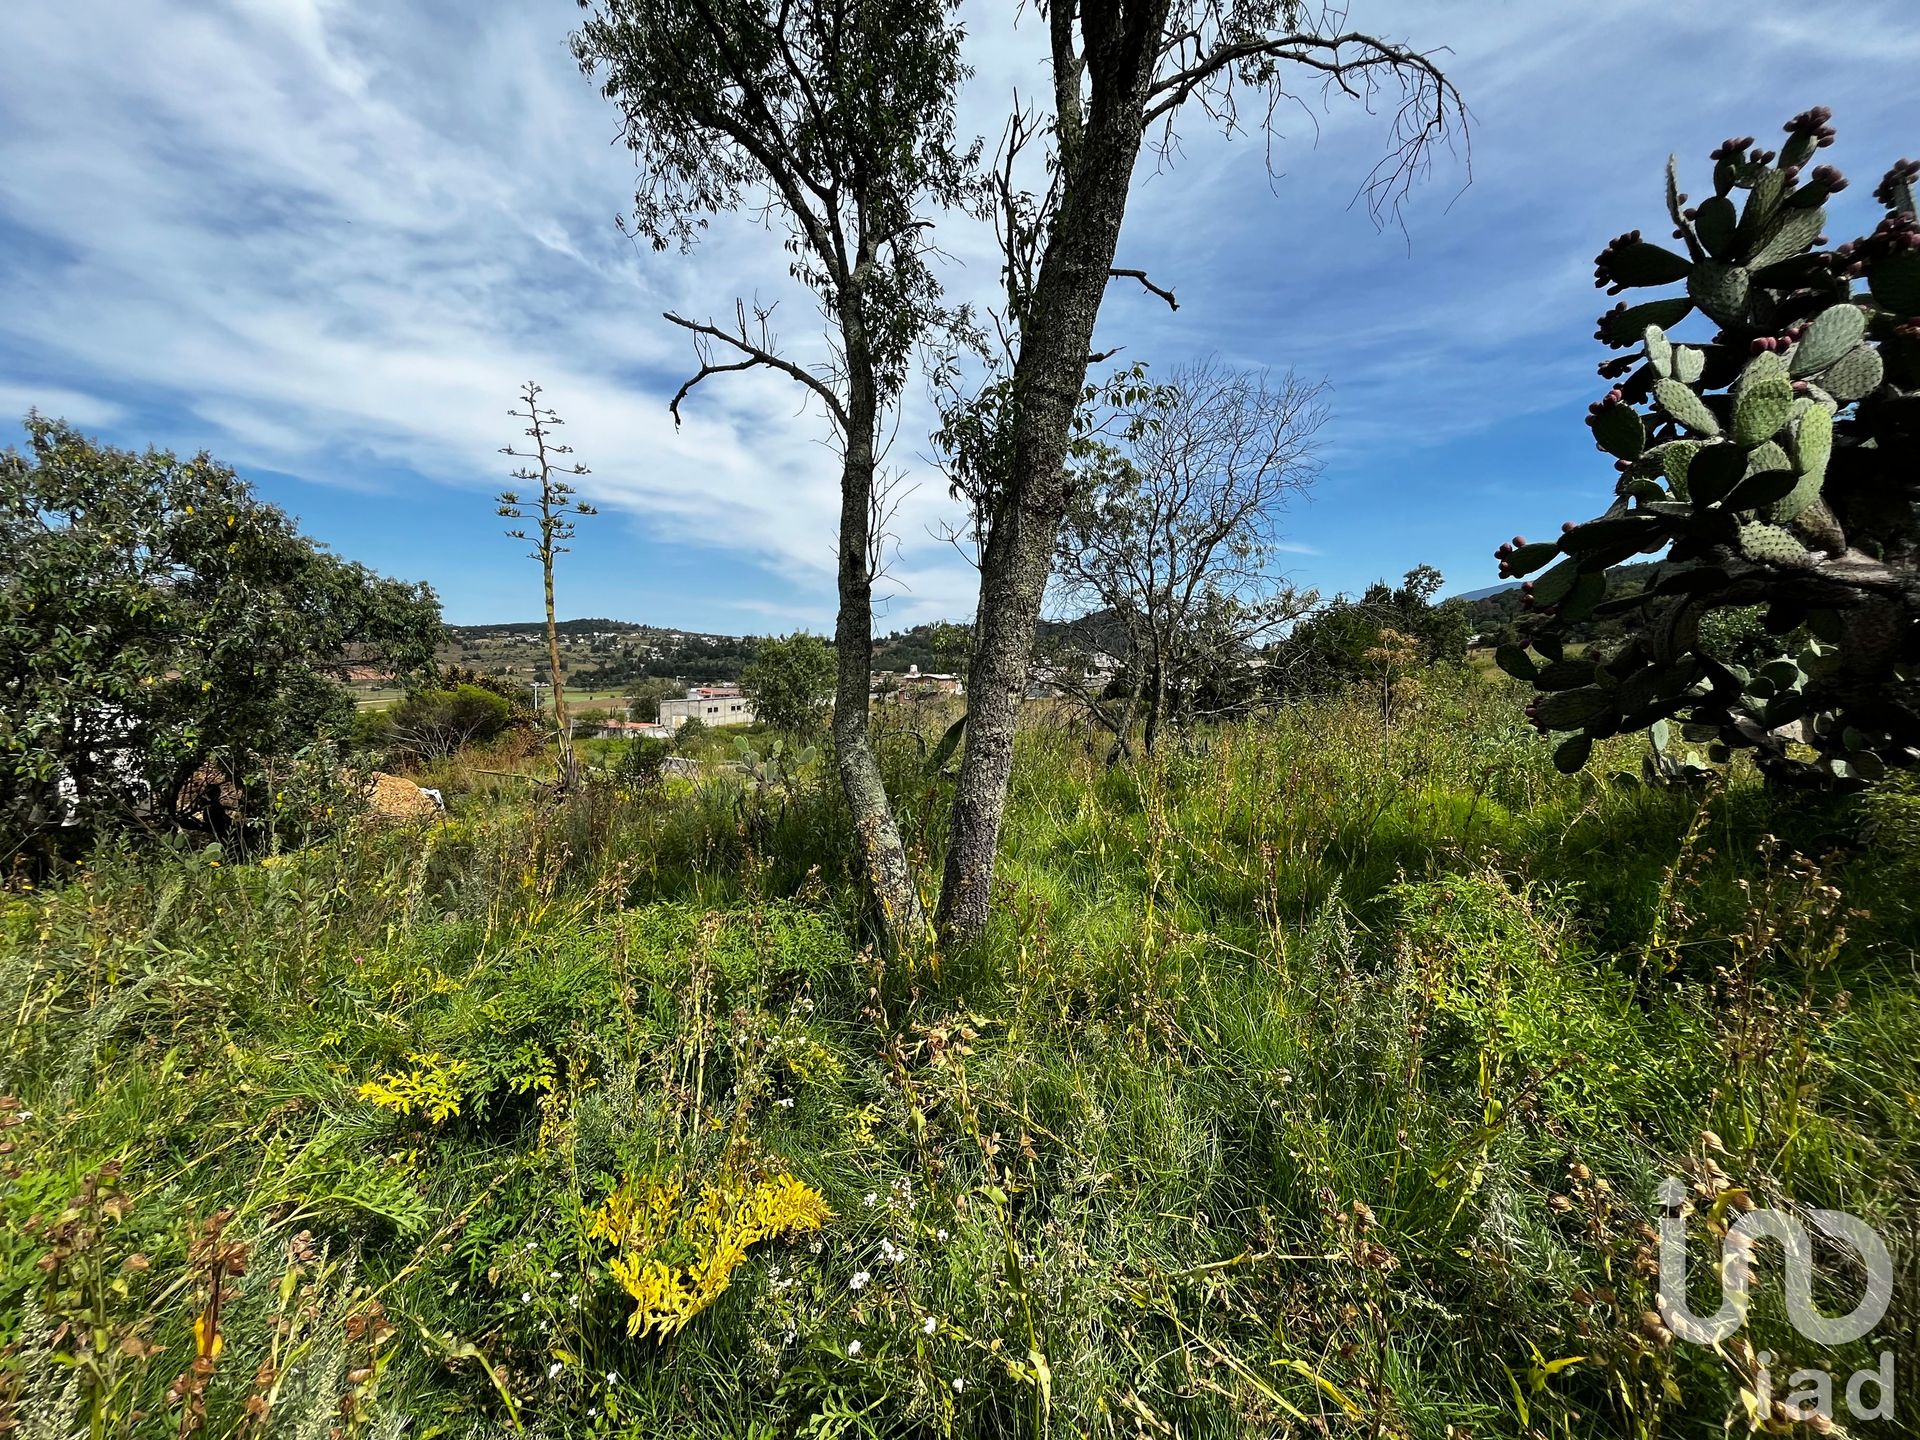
[1156,705]
[1122,748]
[1047,381]
[903,923]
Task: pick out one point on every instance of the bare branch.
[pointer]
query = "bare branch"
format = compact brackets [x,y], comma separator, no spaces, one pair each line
[757,352]
[1207,64]
[1141,276]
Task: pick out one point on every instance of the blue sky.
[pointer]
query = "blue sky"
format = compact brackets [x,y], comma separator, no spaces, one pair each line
[326,239]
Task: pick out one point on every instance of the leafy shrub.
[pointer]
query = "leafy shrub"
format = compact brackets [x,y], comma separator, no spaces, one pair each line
[159,621]
[430,724]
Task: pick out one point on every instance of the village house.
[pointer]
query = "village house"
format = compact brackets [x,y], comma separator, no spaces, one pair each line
[709,704]
[917,685]
[612,728]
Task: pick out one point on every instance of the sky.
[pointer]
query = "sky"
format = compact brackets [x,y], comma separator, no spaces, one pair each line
[327,240]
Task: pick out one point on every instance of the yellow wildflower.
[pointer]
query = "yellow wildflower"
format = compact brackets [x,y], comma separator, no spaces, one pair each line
[650,1225]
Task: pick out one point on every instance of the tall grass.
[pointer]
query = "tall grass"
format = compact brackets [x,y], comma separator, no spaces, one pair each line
[1315,1078]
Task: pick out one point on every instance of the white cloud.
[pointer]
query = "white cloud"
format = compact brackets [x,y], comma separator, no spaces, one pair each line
[332,237]
[56,401]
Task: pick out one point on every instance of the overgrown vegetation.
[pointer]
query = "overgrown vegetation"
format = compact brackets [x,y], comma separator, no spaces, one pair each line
[1314,1077]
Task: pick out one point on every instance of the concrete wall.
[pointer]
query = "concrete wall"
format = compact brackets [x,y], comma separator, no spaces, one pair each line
[712,710]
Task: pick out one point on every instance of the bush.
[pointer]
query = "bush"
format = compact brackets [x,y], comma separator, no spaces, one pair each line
[431,724]
[640,763]
[159,623]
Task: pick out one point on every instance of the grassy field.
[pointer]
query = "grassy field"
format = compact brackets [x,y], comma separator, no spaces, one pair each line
[1315,1079]
[378,697]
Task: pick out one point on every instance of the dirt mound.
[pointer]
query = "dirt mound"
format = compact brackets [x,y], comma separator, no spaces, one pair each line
[392,798]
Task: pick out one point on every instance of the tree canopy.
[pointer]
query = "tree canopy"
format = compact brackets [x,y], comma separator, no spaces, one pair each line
[156,616]
[790,680]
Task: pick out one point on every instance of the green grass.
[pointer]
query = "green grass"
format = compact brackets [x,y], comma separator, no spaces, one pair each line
[1261,1111]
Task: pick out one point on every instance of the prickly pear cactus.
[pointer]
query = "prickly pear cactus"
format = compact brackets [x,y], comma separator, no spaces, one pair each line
[1764,424]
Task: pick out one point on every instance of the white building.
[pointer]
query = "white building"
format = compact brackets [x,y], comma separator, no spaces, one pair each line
[709,704]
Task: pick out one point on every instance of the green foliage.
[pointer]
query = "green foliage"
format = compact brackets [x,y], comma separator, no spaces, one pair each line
[1774,468]
[1290,1049]
[791,681]
[156,617]
[841,117]
[641,763]
[647,694]
[429,724]
[1328,649]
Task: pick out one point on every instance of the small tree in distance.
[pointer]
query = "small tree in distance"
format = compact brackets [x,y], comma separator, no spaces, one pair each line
[553,512]
[791,680]
[1172,538]
[647,693]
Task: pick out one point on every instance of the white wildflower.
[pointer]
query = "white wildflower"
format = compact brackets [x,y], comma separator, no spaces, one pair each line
[929,1325]
[860,1279]
[853,1347]
[553,1369]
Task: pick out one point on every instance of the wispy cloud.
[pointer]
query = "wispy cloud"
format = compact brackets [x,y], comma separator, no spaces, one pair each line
[329,238]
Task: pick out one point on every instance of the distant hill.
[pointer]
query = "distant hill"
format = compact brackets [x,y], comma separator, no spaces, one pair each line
[1489,590]
[1500,607]
[601,654]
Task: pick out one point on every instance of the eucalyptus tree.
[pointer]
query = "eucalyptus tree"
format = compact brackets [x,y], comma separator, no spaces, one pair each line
[833,119]
[1122,71]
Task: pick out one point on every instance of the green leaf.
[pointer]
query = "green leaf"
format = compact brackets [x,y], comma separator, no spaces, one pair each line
[1571,754]
[1813,440]
[1790,232]
[1714,472]
[1610,530]
[1721,290]
[1685,407]
[949,742]
[1895,282]
[1829,335]
[1641,262]
[1528,558]
[1551,588]
[1761,489]
[1625,327]
[1516,662]
[1855,374]
[1760,409]
[1714,222]
[1619,430]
